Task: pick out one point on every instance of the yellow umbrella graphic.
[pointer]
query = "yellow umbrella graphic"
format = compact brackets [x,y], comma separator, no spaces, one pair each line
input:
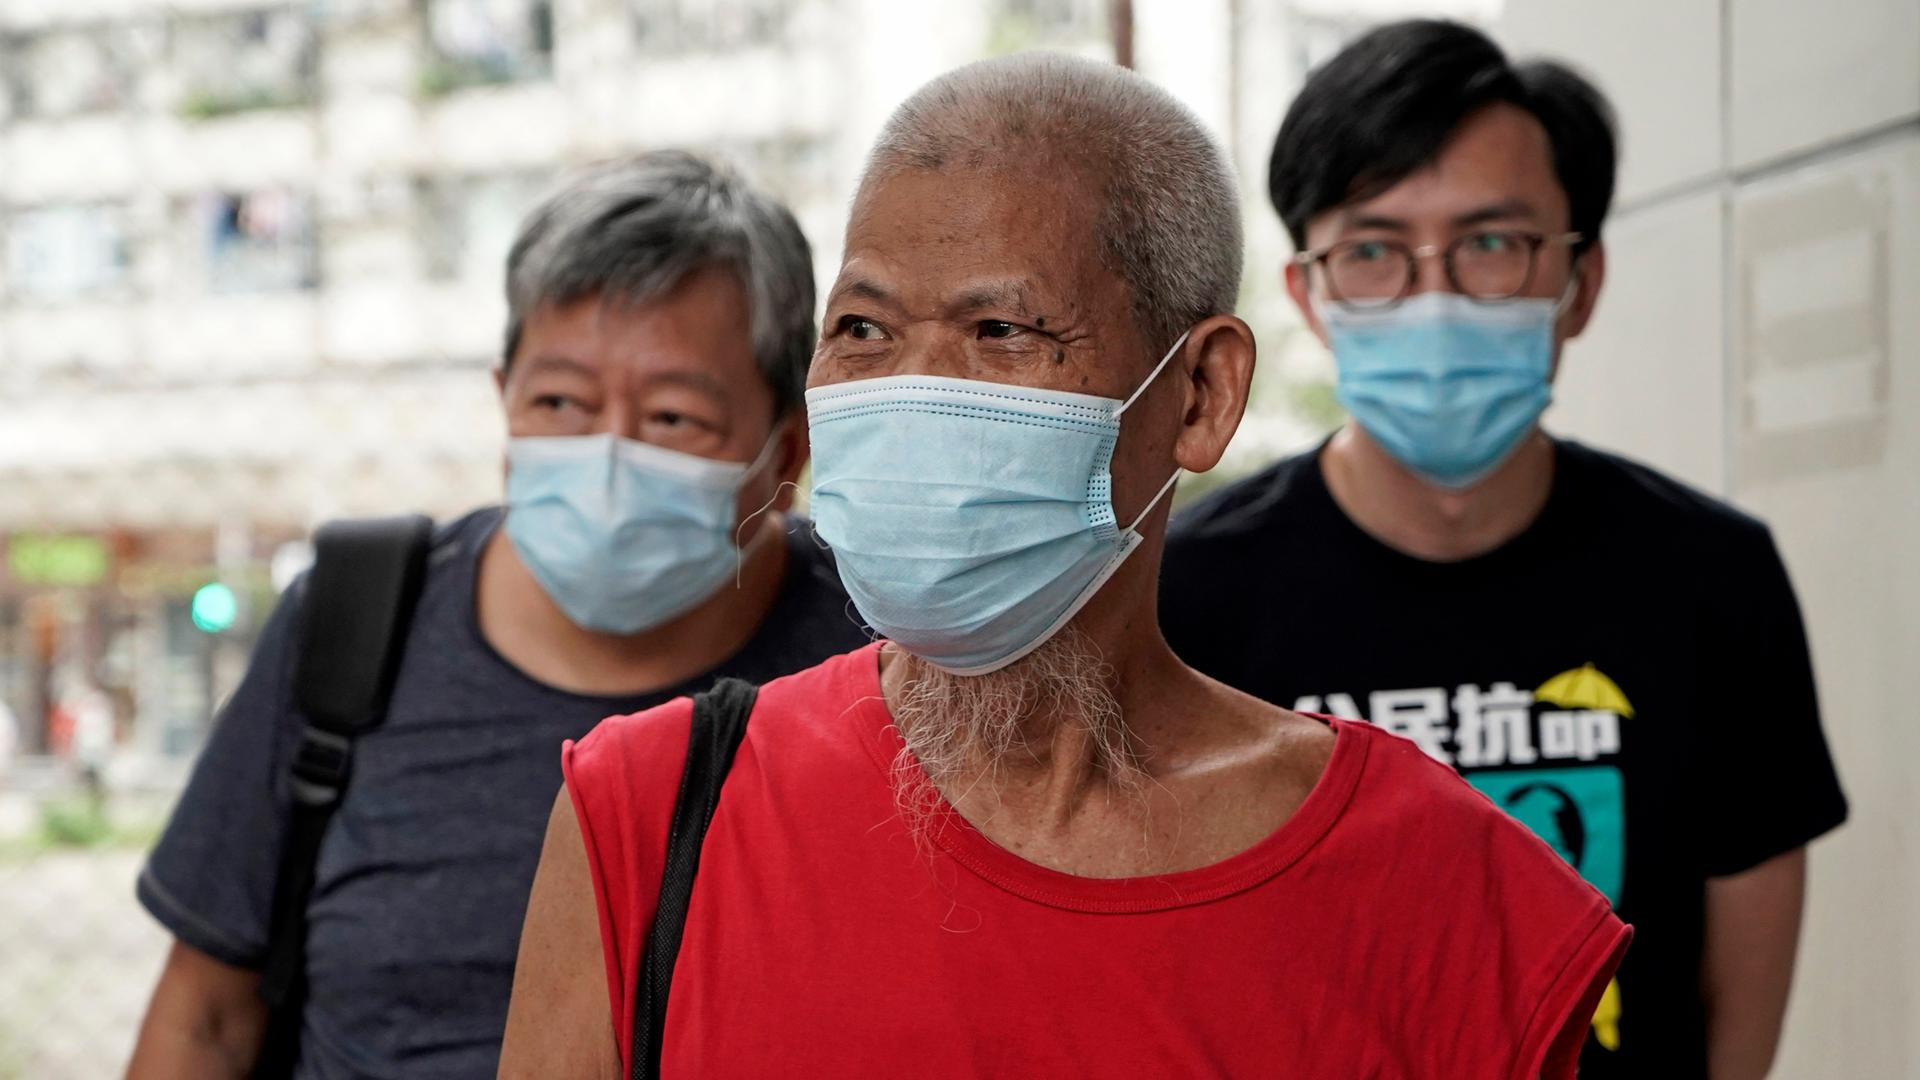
[1585,687]
[1606,1019]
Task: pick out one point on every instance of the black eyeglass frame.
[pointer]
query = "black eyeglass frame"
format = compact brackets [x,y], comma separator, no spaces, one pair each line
[1534,241]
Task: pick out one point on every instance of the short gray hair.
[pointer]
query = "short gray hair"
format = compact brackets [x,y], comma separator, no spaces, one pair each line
[1170,222]
[631,230]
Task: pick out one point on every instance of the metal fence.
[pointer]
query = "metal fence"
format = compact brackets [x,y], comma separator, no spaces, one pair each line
[77,956]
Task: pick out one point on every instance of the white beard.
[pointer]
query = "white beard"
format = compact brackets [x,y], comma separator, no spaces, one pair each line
[966,728]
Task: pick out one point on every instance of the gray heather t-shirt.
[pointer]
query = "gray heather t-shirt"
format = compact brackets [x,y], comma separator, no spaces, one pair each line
[423,878]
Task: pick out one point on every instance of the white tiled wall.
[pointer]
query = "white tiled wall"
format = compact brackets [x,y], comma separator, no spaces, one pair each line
[1758,337]
[1803,73]
[1647,374]
[1660,64]
[1847,518]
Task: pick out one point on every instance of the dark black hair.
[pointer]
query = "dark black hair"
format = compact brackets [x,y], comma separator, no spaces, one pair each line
[1385,106]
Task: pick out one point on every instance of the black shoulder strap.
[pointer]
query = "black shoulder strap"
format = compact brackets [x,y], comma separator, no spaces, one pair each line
[719,723]
[359,601]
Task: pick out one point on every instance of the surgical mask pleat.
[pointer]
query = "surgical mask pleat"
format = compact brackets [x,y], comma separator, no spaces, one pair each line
[969,520]
[1446,385]
[622,536]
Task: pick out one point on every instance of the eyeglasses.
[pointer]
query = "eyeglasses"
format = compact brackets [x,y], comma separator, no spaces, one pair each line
[1376,274]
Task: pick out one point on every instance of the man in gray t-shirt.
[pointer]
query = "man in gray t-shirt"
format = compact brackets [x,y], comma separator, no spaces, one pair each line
[659,335]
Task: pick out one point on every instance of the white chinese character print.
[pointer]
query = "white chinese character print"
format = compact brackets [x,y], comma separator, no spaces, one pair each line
[1420,715]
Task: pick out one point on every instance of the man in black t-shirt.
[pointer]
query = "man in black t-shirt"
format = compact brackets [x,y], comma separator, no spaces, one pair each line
[1615,659]
[660,330]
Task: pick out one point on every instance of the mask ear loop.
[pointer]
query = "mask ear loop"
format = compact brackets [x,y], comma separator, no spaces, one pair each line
[740,553]
[1155,501]
[1128,404]
[813,534]
[1152,375]
[1567,295]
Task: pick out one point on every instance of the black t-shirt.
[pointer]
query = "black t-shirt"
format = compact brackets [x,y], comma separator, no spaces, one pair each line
[423,877]
[1628,676]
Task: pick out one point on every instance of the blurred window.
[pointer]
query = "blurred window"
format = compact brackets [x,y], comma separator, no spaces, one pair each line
[1027,24]
[264,59]
[796,169]
[256,241]
[1319,36]
[62,252]
[683,26]
[485,42]
[1322,28]
[73,71]
[467,223]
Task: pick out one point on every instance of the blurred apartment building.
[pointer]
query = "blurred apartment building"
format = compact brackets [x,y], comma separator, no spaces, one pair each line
[251,274]
[251,279]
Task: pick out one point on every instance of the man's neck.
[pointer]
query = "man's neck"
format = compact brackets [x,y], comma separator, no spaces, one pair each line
[523,624]
[1215,770]
[1069,743]
[1412,516]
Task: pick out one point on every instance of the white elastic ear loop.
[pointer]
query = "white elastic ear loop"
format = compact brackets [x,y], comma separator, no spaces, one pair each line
[1566,295]
[1155,501]
[739,553]
[1127,404]
[1152,375]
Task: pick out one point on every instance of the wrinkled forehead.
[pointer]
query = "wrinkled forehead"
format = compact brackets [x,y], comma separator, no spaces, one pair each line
[944,231]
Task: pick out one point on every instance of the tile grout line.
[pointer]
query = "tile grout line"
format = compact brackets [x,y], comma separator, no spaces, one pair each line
[1844,146]
[1731,395]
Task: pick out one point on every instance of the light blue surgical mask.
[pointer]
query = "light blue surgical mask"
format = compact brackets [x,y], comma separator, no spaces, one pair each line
[1447,385]
[970,520]
[624,536]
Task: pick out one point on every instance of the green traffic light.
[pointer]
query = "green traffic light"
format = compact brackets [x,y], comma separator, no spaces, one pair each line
[215,608]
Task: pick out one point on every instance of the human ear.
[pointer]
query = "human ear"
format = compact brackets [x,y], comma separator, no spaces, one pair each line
[1590,272]
[1217,365]
[1300,288]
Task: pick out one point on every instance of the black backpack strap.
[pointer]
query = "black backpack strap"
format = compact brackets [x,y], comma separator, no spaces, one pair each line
[719,723]
[359,602]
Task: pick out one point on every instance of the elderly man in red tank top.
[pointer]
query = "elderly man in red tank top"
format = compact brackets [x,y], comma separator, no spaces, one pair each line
[1018,836]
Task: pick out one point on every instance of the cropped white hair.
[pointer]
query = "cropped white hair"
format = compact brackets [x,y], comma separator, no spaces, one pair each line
[1169,221]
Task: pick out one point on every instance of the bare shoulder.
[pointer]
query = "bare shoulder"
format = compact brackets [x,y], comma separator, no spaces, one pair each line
[1301,744]
[1277,748]
[1233,767]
